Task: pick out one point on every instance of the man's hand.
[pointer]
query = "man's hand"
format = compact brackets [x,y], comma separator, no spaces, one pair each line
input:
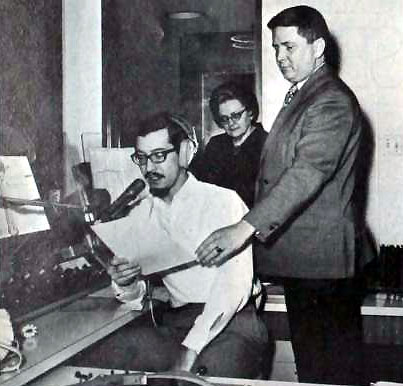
[224,243]
[185,360]
[123,272]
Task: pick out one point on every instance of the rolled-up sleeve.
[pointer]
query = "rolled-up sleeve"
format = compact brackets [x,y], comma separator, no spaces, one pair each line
[229,294]
[231,288]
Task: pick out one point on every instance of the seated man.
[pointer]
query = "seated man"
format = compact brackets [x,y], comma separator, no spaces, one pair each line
[211,325]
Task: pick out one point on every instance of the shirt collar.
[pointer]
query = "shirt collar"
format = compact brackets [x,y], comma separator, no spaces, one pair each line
[302,82]
[187,190]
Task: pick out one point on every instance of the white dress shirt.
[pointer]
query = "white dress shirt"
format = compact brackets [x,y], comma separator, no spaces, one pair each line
[197,210]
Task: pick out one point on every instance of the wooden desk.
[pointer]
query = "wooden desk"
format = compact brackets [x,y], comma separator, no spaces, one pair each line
[64,332]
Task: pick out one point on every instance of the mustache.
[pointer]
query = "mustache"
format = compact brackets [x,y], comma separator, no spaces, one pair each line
[151,174]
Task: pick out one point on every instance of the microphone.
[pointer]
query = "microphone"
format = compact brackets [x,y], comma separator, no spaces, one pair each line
[119,208]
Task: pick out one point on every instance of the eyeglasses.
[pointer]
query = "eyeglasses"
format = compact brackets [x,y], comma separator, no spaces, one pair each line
[156,157]
[234,117]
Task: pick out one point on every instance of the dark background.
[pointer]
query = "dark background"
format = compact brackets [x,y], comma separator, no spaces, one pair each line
[31,81]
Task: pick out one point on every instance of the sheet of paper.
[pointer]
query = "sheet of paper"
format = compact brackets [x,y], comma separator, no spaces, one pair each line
[142,238]
[113,169]
[90,140]
[17,181]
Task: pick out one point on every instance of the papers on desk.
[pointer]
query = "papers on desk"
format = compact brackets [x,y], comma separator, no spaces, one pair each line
[141,237]
[17,181]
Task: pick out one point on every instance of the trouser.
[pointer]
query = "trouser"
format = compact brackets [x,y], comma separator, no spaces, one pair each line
[325,326]
[241,350]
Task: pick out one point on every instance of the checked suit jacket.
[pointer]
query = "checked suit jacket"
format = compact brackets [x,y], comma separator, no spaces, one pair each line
[304,212]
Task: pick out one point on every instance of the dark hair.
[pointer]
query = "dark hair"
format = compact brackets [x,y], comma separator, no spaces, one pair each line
[309,21]
[229,91]
[177,128]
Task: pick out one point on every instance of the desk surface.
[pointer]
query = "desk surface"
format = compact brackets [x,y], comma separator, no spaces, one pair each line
[65,376]
[64,332]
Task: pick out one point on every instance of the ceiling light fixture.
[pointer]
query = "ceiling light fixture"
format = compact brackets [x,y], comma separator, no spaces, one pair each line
[184,15]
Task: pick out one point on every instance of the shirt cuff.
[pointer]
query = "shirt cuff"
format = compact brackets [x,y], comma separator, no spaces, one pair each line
[195,341]
[131,295]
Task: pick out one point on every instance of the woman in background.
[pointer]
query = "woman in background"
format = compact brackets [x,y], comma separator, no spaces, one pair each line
[232,159]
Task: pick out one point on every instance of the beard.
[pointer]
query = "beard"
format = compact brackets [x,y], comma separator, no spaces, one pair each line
[159,192]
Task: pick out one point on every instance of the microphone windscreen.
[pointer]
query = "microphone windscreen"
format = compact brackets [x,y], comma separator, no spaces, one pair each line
[119,206]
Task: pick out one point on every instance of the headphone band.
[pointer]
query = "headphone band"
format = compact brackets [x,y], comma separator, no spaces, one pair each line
[187,128]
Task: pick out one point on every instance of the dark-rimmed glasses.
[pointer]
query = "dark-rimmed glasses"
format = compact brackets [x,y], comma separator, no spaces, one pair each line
[234,117]
[156,157]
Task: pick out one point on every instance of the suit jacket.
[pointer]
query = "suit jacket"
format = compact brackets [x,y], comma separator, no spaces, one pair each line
[304,211]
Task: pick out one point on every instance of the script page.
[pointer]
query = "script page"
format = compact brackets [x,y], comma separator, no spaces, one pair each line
[141,237]
[17,181]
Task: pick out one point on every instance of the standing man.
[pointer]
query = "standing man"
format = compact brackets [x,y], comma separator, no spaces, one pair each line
[304,216]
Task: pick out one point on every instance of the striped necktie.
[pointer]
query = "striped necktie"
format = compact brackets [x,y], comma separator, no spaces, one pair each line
[290,94]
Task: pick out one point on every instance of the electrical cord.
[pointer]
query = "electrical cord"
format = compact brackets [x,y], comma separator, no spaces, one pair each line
[149,297]
[9,365]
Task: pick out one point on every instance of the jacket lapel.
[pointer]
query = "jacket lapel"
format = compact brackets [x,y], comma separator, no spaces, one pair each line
[269,160]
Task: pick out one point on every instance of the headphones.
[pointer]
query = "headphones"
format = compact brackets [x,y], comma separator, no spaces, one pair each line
[189,145]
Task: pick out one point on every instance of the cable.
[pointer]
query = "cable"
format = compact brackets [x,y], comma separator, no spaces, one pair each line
[150,298]
[4,368]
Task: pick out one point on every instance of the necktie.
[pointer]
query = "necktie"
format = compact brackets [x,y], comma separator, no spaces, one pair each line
[290,94]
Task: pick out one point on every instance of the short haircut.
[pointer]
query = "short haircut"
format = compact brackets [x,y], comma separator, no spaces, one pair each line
[176,126]
[309,21]
[229,91]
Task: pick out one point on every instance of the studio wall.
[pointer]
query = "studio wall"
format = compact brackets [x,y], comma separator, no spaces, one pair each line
[31,85]
[82,79]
